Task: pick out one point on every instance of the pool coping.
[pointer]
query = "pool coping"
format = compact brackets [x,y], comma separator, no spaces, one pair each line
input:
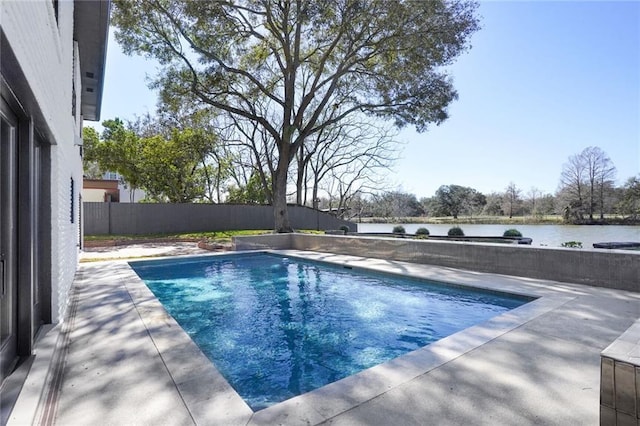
[209,397]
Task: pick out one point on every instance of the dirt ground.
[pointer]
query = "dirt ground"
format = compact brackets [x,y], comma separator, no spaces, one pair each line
[157,249]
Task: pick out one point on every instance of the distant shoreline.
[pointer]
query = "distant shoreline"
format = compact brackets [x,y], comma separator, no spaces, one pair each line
[496,220]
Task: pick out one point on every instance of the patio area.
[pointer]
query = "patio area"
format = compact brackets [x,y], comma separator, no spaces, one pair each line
[121,359]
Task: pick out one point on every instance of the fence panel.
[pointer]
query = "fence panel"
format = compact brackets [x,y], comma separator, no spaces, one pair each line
[142,218]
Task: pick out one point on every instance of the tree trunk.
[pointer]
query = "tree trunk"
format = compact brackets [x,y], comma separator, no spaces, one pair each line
[300,178]
[316,204]
[591,202]
[280,213]
[601,199]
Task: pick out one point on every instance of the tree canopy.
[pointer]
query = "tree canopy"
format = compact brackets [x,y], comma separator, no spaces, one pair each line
[396,204]
[90,140]
[452,200]
[170,167]
[629,203]
[291,68]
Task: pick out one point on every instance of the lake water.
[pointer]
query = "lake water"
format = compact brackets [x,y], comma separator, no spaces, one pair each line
[542,235]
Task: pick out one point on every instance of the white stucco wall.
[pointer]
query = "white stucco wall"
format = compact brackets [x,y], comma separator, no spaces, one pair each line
[44,48]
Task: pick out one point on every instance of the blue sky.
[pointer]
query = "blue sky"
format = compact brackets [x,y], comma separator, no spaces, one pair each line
[543,81]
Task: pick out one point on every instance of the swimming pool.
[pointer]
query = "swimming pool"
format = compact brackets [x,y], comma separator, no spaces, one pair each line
[278,326]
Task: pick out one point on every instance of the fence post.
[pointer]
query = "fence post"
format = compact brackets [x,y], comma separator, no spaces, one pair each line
[109,214]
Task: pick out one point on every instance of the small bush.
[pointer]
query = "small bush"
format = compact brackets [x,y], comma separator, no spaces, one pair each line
[422,231]
[572,244]
[456,231]
[512,233]
[344,228]
[399,229]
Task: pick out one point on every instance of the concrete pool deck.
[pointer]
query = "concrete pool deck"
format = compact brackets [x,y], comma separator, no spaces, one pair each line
[122,360]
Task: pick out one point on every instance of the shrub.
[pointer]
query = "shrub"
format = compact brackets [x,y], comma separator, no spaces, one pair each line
[456,231]
[399,229]
[422,231]
[512,233]
[572,244]
[344,228]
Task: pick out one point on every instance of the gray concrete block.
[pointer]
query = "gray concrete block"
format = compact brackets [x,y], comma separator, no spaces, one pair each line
[607,416]
[638,394]
[607,387]
[625,388]
[623,419]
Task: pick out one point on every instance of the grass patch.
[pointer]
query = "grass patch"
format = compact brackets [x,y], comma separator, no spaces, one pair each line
[211,236]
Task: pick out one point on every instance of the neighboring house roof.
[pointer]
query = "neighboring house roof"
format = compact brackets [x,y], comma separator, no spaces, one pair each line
[100,183]
[91,30]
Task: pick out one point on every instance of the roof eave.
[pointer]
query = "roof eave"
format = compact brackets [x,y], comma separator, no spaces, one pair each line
[91,31]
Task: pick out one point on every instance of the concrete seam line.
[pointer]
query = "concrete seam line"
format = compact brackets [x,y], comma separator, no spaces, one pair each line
[49,403]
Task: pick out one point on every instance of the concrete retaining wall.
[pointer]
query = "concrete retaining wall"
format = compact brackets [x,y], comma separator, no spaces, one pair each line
[136,219]
[616,269]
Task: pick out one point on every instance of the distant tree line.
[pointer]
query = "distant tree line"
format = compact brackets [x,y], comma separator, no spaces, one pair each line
[586,193]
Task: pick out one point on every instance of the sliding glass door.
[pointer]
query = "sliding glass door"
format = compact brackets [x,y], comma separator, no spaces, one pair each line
[8,239]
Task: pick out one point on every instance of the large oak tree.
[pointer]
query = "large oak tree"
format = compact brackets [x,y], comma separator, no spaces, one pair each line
[282,64]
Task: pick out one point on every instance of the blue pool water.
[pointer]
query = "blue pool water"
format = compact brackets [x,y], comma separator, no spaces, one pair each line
[277,327]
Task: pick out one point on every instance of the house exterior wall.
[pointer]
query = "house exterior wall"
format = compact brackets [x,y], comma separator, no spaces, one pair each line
[126,194]
[93,195]
[100,190]
[43,47]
